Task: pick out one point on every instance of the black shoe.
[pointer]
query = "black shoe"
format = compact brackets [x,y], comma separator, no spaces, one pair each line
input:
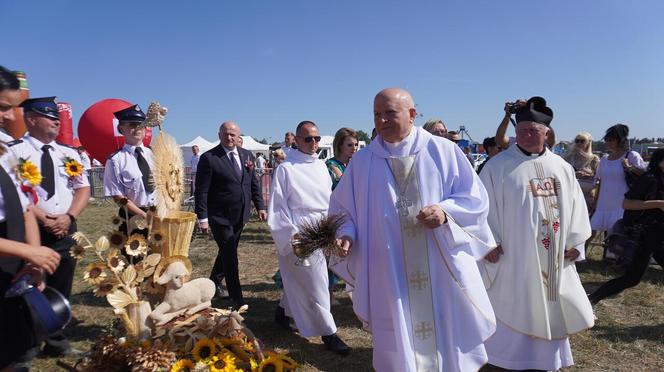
[336,345]
[283,320]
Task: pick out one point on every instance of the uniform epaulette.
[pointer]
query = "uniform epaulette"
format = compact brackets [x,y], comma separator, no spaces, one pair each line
[66,145]
[14,142]
[113,153]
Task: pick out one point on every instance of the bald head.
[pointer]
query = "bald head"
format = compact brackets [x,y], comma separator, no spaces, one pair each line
[396,94]
[394,114]
[229,134]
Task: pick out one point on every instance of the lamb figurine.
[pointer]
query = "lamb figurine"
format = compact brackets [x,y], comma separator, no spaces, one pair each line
[181,297]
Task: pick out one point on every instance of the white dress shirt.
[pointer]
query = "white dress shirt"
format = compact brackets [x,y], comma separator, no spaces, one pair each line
[30,148]
[123,177]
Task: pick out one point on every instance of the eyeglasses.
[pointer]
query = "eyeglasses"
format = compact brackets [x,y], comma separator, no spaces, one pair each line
[579,140]
[308,139]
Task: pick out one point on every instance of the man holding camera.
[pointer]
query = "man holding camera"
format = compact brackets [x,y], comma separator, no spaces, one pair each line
[539,219]
[502,140]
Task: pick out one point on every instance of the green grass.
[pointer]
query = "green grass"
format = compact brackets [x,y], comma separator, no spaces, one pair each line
[628,335]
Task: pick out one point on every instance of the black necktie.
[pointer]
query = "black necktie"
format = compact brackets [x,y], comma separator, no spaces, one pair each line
[236,162]
[145,170]
[13,210]
[48,179]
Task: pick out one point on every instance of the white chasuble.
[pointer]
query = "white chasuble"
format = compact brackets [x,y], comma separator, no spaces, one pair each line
[417,290]
[537,213]
[301,188]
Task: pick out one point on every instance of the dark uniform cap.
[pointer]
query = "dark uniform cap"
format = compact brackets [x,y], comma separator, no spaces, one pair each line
[131,113]
[535,110]
[44,106]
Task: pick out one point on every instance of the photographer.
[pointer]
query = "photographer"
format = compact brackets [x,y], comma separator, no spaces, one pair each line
[502,140]
[644,216]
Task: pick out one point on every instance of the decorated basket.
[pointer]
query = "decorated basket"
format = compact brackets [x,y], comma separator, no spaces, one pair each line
[176,228]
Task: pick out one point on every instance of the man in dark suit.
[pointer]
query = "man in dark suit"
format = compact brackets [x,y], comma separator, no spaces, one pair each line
[225,187]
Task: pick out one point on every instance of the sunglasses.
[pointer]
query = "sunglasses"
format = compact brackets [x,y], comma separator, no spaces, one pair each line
[579,140]
[308,139]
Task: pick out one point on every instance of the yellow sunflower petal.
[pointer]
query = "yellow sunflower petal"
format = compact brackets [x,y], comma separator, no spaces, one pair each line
[204,349]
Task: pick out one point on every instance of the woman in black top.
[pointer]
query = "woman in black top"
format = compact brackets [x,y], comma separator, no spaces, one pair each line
[644,212]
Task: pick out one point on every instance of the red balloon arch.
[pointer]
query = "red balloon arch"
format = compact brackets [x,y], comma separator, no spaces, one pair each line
[97,129]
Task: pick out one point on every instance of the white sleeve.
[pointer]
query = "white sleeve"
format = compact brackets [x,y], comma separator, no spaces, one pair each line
[112,186]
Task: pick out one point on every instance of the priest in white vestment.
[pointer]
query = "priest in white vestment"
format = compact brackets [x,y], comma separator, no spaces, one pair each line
[539,218]
[301,188]
[416,226]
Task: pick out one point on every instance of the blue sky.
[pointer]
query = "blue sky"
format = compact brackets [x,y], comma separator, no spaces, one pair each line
[270,64]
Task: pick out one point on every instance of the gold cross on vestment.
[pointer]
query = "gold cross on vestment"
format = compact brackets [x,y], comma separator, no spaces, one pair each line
[419,280]
[423,330]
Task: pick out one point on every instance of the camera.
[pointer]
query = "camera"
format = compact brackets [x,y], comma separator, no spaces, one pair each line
[513,107]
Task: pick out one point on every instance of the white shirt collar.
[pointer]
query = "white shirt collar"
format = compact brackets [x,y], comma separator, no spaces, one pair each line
[37,143]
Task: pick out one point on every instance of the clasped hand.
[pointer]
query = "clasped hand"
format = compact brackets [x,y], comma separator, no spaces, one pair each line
[57,224]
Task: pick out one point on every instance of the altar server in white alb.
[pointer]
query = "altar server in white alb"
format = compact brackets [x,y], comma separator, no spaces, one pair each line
[301,192]
[416,227]
[539,219]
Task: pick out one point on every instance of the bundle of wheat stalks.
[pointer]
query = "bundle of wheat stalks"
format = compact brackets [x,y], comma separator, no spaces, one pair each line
[317,234]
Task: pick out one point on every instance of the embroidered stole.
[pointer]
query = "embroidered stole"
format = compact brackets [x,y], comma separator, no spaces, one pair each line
[416,262]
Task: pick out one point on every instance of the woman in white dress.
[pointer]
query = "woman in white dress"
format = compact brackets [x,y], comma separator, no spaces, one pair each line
[610,175]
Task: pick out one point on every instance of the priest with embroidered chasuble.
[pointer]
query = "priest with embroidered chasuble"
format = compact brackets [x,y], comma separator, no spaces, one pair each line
[416,225]
[539,219]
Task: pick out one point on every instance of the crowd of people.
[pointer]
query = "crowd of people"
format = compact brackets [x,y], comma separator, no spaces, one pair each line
[432,253]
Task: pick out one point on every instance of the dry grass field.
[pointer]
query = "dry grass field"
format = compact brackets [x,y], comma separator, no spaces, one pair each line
[628,335]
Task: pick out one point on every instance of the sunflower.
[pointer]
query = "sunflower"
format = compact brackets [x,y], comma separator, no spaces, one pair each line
[182,365]
[30,172]
[117,220]
[156,239]
[223,362]
[115,261]
[204,349]
[136,245]
[73,168]
[271,364]
[95,273]
[117,239]
[105,287]
[77,251]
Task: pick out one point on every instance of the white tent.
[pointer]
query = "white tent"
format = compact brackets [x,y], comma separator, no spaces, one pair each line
[249,143]
[202,143]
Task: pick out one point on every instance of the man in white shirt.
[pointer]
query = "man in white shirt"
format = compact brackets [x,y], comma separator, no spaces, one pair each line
[289,143]
[415,228]
[301,189]
[64,193]
[195,157]
[128,171]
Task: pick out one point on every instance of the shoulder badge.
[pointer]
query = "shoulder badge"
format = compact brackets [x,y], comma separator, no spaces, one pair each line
[14,142]
[113,153]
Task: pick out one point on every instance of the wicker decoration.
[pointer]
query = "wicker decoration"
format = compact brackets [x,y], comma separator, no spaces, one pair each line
[177,229]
